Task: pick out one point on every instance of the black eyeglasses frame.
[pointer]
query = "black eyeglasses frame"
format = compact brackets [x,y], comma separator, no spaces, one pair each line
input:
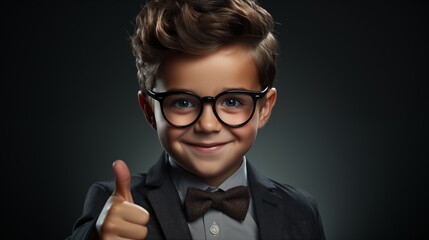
[160,96]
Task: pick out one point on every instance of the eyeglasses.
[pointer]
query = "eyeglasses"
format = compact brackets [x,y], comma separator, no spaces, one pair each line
[233,108]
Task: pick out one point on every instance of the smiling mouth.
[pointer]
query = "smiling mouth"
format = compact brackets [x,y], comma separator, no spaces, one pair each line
[207,148]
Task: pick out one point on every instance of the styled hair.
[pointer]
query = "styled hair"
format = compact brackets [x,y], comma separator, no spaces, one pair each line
[196,27]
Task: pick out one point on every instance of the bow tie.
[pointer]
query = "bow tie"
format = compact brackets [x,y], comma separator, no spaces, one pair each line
[233,202]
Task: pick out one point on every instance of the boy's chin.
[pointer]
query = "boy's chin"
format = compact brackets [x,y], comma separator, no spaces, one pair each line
[213,176]
[204,172]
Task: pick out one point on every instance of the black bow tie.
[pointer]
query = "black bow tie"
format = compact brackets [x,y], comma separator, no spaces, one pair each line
[234,202]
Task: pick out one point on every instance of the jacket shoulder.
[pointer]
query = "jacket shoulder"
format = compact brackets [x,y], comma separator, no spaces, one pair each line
[296,198]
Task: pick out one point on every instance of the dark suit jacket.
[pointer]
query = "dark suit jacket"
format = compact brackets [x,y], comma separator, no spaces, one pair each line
[282,212]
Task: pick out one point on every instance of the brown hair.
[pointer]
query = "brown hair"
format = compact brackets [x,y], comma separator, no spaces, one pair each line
[196,27]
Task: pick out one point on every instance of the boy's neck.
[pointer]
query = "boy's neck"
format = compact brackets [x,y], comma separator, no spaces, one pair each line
[215,181]
[218,180]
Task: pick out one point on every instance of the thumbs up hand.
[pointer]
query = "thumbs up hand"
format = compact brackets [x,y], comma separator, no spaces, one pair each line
[120,217]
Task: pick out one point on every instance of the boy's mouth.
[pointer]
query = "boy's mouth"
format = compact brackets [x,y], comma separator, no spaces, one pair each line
[207,147]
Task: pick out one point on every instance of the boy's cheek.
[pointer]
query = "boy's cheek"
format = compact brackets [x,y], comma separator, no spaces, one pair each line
[246,132]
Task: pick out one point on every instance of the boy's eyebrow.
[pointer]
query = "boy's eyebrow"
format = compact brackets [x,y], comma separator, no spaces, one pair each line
[222,90]
[239,88]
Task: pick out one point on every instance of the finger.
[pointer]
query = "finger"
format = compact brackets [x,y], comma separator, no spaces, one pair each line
[131,231]
[123,179]
[136,232]
[127,211]
[134,213]
[122,230]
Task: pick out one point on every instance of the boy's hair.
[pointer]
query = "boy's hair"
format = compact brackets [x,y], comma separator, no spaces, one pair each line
[195,27]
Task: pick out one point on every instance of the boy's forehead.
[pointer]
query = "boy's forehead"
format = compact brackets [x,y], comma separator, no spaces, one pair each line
[227,68]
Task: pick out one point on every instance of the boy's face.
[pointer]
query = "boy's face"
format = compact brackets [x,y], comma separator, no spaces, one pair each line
[208,149]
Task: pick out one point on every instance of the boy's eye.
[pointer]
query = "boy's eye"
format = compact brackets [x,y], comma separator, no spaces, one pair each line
[235,100]
[232,102]
[183,103]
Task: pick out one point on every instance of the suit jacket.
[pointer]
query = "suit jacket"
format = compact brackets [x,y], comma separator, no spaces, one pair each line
[282,211]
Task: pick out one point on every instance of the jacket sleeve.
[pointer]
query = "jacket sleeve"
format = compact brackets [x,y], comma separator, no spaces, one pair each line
[84,228]
[319,233]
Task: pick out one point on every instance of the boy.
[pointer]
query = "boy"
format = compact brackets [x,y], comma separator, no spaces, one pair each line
[205,70]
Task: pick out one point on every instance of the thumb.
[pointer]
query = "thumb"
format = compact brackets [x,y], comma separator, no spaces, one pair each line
[123,179]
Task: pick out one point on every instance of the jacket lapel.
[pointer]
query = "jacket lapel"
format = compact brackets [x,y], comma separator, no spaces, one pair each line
[268,205]
[165,201]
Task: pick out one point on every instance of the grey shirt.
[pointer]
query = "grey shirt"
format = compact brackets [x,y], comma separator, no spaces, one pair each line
[214,224]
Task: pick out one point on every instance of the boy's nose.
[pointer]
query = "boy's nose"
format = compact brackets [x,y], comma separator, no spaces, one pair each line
[208,121]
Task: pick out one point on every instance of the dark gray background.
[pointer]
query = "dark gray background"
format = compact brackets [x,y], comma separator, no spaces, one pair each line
[350,125]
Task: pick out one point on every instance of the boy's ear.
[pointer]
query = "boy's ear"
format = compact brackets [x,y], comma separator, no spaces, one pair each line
[147,109]
[267,107]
